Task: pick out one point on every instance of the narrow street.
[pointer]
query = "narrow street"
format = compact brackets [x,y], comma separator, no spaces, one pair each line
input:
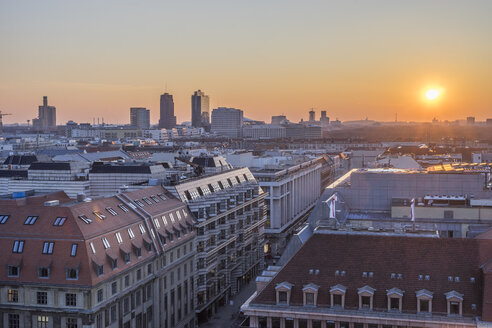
[228,315]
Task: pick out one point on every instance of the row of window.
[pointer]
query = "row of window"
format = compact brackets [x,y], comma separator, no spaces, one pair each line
[48,247]
[41,297]
[366,298]
[14,271]
[215,186]
[42,321]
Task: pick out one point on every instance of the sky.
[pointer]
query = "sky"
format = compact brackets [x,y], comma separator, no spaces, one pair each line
[352,58]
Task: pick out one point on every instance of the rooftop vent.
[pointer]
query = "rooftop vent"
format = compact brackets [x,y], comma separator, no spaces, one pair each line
[316,272]
[472,280]
[337,273]
[52,203]
[80,197]
[343,273]
[427,277]
[310,271]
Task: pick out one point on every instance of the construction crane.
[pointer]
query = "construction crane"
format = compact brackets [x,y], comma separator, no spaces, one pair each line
[1,120]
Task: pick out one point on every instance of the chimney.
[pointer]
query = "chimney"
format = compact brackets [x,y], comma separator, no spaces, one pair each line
[80,197]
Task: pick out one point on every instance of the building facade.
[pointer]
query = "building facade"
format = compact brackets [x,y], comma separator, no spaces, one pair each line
[354,281]
[200,109]
[227,122]
[140,117]
[292,192]
[229,207]
[122,261]
[46,116]
[167,119]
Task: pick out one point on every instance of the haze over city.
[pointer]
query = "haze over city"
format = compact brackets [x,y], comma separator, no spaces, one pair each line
[354,59]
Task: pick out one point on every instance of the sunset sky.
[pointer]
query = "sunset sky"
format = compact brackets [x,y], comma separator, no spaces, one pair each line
[355,59]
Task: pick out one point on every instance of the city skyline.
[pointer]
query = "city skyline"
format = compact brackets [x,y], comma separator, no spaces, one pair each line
[354,60]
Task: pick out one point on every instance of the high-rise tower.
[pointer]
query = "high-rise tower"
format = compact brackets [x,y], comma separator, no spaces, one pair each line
[200,103]
[46,116]
[167,119]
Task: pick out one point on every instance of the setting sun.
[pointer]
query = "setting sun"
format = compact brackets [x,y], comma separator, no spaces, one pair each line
[432,94]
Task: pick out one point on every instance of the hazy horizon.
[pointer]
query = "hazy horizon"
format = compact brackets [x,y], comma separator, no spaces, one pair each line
[354,59]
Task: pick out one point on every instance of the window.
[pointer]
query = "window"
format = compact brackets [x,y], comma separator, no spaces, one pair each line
[73,252]
[126,305]
[337,300]
[113,262]
[124,208]
[99,215]
[43,272]
[43,321]
[59,221]
[161,196]
[282,297]
[72,323]
[171,216]
[42,298]
[139,274]
[92,248]
[145,199]
[127,280]
[424,305]
[18,246]
[157,223]
[178,215]
[139,203]
[14,321]
[99,295]
[85,219]
[142,229]
[13,271]
[111,211]
[72,274]
[130,233]
[31,220]
[454,308]
[48,247]
[3,218]
[70,299]
[13,296]
[105,243]
[126,257]
[99,269]
[112,317]
[185,214]
[366,301]
[118,238]
[114,287]
[309,298]
[155,199]
[394,303]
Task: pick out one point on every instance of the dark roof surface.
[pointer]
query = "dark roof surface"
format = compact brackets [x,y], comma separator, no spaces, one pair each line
[384,255]
[58,166]
[20,159]
[108,168]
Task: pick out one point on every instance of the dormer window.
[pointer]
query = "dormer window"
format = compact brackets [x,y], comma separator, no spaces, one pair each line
[337,295]
[395,296]
[455,303]
[283,293]
[366,296]
[310,296]
[424,301]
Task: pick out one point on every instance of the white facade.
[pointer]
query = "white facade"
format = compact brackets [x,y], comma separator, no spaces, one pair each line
[267,131]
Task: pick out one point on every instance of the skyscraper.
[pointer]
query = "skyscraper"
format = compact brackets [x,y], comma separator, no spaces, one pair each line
[200,103]
[312,114]
[140,117]
[46,116]
[167,119]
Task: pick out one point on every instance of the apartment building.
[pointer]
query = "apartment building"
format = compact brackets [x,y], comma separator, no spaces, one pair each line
[341,280]
[229,208]
[121,261]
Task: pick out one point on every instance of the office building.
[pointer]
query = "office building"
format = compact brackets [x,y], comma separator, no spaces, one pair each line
[140,117]
[122,261]
[312,115]
[264,131]
[470,120]
[229,207]
[324,118]
[279,119]
[362,280]
[293,190]
[227,122]
[46,116]
[200,109]
[167,119]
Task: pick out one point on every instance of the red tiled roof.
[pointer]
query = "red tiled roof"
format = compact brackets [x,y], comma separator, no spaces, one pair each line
[384,255]
[74,230]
